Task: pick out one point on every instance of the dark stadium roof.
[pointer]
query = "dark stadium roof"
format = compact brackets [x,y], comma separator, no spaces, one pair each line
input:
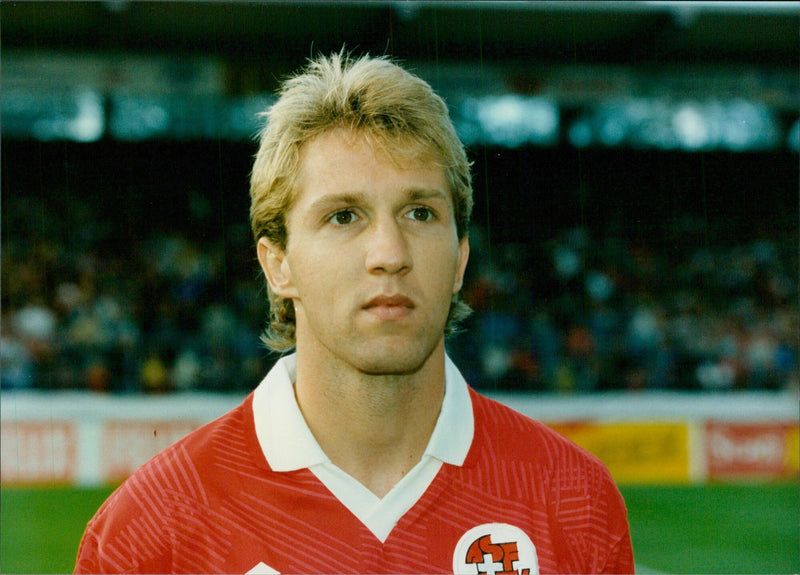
[623,32]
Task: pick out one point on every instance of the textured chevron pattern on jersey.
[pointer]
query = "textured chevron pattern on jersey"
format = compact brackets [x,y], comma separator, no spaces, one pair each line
[210,503]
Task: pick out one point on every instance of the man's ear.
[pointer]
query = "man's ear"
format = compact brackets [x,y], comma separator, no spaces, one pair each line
[276,268]
[463,258]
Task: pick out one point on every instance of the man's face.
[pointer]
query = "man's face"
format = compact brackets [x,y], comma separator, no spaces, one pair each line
[372,258]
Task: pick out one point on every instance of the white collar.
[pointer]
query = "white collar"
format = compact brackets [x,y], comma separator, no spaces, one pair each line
[288,443]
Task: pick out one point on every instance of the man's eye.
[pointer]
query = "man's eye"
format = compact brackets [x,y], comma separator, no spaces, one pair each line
[421,214]
[343,217]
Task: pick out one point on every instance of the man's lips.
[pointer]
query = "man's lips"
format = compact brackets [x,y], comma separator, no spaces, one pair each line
[390,306]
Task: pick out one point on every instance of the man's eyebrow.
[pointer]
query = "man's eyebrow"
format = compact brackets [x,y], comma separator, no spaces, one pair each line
[336,200]
[349,198]
[416,194]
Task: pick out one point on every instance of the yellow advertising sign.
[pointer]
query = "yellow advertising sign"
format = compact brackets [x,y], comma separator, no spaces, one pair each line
[635,452]
[792,453]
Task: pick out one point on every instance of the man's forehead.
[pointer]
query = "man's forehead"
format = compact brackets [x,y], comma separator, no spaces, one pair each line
[404,150]
[406,154]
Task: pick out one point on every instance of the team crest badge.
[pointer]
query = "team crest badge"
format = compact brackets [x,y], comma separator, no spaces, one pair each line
[495,549]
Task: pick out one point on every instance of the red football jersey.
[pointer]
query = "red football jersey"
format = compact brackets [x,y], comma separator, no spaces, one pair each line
[526,500]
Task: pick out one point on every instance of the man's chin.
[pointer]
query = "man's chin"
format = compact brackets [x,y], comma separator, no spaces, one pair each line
[395,360]
[393,370]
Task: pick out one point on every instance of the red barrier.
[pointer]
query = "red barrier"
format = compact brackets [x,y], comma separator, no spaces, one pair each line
[750,450]
[39,452]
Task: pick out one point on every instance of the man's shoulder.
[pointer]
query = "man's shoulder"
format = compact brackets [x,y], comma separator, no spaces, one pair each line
[494,414]
[530,460]
[234,428]
[229,431]
[187,467]
[179,485]
[521,436]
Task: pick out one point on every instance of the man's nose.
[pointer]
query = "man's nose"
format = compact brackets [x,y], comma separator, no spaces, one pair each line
[387,249]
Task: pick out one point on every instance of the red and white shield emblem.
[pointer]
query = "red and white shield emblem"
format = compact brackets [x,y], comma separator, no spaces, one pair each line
[495,549]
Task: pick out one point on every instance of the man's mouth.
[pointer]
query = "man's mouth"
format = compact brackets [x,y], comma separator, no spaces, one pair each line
[390,307]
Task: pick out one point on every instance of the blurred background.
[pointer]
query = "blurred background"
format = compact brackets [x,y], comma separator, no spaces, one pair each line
[634,261]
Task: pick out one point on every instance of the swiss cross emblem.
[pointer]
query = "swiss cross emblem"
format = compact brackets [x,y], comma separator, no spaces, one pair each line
[495,549]
[494,558]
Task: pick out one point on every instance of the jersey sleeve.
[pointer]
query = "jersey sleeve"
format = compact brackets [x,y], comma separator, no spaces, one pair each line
[88,560]
[619,557]
[165,518]
[581,520]
[124,537]
[594,519]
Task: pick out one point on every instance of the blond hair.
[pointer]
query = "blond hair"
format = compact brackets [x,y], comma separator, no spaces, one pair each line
[371,95]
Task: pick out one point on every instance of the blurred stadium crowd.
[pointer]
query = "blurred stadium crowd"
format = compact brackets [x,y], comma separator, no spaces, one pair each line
[579,313]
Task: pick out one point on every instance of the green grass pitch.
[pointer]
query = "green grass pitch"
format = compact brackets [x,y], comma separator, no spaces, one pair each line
[751,528]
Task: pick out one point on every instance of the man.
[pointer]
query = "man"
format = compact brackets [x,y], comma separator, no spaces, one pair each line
[364,451]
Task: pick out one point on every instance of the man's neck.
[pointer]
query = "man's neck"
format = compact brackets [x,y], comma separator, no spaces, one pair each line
[375,428]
